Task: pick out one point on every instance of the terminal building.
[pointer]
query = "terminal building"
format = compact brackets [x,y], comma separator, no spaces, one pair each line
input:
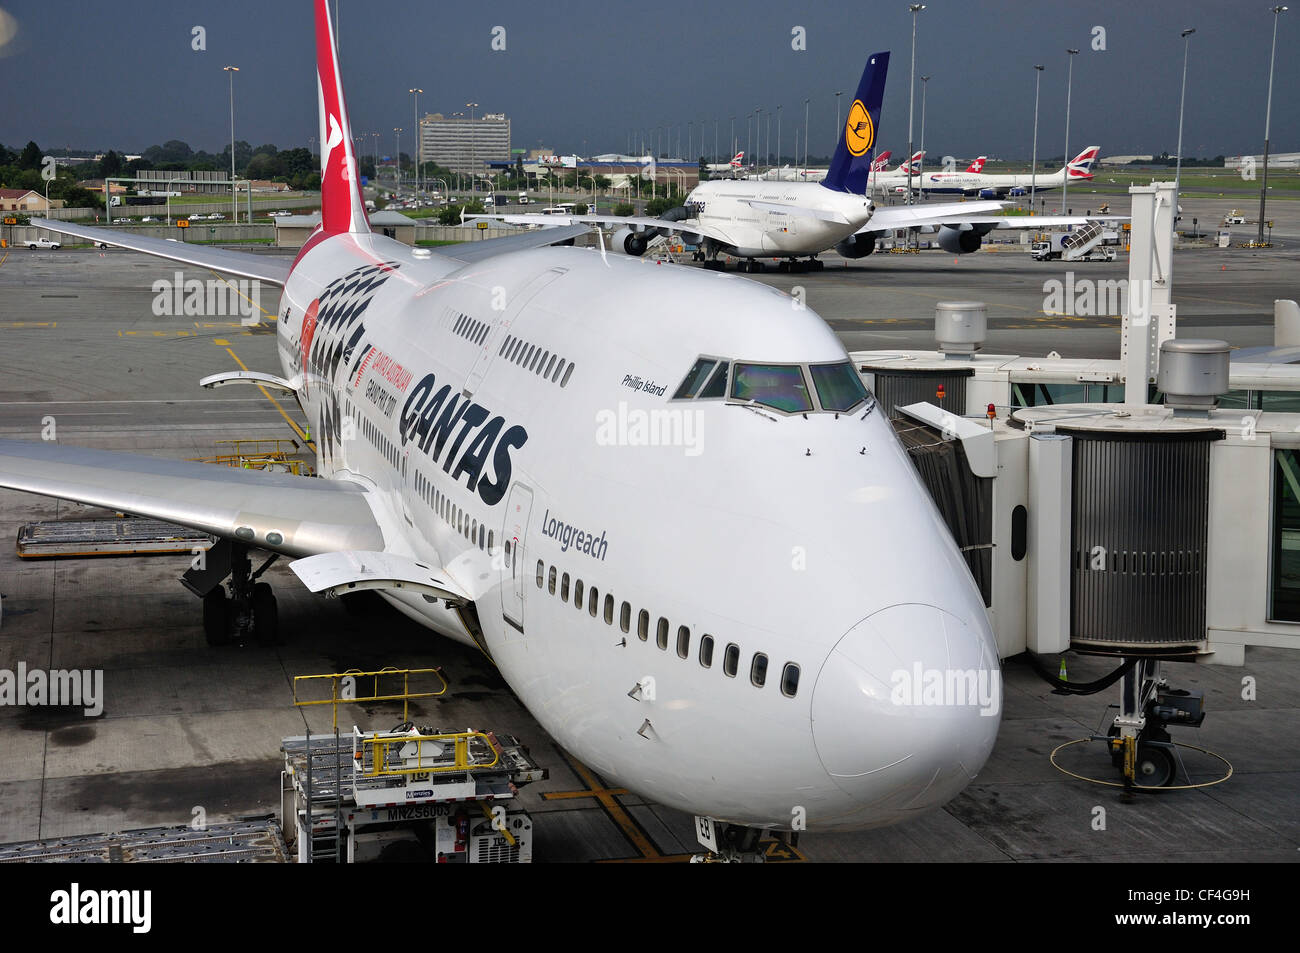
[463,144]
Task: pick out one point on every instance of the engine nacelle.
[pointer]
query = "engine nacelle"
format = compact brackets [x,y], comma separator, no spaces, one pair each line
[857,246]
[630,242]
[1018,191]
[988,193]
[962,239]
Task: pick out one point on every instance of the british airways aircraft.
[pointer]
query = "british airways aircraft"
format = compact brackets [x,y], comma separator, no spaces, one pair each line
[659,499]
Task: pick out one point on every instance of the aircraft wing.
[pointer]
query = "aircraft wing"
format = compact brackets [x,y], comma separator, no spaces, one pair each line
[909,216]
[617,221]
[311,516]
[1040,221]
[272,269]
[473,251]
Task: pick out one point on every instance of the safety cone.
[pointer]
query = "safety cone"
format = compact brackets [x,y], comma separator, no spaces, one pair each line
[1062,674]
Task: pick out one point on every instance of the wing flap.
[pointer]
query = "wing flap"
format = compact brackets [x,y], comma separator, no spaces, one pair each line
[298,516]
[351,571]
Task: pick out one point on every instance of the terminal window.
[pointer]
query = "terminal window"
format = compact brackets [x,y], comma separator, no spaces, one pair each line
[1285,562]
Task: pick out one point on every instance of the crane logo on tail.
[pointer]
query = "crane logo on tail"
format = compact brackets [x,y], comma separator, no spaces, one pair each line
[859,132]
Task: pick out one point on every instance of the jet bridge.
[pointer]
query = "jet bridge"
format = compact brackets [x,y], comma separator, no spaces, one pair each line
[1145,508]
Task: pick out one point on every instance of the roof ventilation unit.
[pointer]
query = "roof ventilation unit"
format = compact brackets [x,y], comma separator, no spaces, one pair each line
[1193,375]
[959,326]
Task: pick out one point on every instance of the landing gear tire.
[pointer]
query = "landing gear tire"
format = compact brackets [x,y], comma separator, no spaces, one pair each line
[216,617]
[783,266]
[757,266]
[816,264]
[266,615]
[715,265]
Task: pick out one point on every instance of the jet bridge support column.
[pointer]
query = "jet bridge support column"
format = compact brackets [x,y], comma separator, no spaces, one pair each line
[1149,317]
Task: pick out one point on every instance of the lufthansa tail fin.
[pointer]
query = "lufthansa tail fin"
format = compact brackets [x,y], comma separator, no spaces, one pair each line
[342,207]
[857,139]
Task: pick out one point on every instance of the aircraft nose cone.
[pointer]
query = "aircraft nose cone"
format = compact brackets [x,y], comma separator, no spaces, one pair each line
[906,709]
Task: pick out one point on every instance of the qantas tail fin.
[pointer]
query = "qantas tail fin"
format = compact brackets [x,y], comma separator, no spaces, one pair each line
[857,140]
[1080,167]
[342,207]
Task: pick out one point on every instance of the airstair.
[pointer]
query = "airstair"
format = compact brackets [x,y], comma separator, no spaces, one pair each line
[1077,244]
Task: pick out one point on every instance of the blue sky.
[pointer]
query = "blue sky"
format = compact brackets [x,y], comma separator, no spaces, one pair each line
[580,76]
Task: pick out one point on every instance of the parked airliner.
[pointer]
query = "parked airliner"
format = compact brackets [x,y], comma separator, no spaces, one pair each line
[991,186]
[660,500]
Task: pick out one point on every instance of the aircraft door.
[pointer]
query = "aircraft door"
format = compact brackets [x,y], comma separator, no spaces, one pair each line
[514,549]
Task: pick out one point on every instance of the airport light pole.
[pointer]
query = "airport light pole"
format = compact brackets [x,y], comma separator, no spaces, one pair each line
[911,99]
[473,152]
[778,142]
[397,153]
[1182,97]
[837,114]
[234,198]
[1268,112]
[733,136]
[1033,167]
[920,172]
[1069,85]
[415,93]
[805,133]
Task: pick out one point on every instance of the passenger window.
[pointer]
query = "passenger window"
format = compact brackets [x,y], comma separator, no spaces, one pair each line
[695,379]
[549,368]
[577,593]
[550,580]
[559,369]
[758,669]
[541,365]
[706,651]
[625,617]
[564,381]
[593,602]
[661,633]
[683,641]
[564,587]
[790,680]
[507,554]
[731,660]
[541,573]
[609,609]
[491,541]
[643,625]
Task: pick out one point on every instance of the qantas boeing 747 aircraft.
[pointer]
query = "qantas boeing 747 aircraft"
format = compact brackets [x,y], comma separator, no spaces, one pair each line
[719,624]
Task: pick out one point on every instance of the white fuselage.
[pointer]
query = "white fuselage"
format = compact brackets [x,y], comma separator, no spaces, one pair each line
[972,183]
[806,538]
[776,219]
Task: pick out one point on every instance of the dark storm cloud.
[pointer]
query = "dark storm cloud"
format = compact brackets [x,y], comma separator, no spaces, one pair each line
[581,76]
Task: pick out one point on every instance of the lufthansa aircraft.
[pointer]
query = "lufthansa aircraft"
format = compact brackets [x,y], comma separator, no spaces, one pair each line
[659,499]
[791,221]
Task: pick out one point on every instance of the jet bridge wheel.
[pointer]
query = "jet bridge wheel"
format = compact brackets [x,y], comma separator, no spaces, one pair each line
[216,617]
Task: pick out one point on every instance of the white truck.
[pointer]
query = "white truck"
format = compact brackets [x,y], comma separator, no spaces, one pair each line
[1045,251]
[42,243]
[1234,218]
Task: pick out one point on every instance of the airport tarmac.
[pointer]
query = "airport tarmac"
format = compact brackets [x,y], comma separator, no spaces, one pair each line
[185,725]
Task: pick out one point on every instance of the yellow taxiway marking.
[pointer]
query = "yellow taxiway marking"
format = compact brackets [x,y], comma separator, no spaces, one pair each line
[289,420]
[28,324]
[606,798]
[242,295]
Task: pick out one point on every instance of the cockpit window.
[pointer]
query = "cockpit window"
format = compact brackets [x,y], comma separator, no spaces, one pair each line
[695,379]
[779,386]
[717,385]
[839,388]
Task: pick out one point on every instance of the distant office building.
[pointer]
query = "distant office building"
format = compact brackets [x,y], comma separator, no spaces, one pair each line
[465,145]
